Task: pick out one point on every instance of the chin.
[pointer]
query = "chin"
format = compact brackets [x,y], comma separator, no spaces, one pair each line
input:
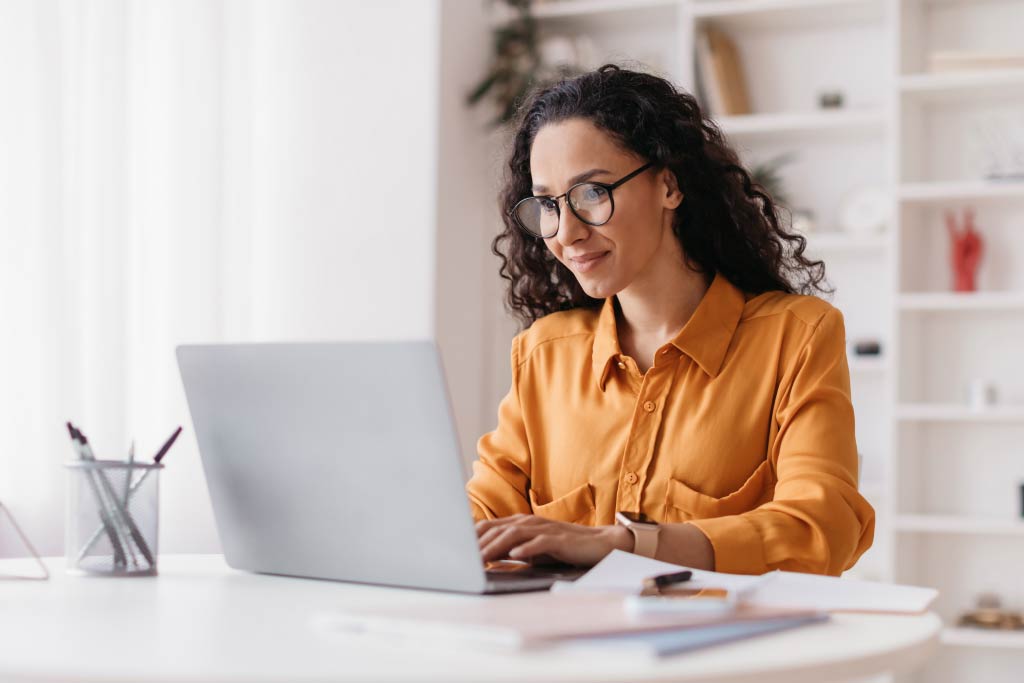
[598,289]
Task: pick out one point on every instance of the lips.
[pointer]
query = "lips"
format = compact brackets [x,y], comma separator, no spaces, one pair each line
[585,262]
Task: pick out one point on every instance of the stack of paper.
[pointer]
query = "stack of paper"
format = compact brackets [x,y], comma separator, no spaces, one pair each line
[592,610]
[622,572]
[540,619]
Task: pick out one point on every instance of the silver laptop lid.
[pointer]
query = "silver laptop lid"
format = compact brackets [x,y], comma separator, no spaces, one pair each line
[334,460]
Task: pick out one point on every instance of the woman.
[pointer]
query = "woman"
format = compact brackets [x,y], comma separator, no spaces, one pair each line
[670,370]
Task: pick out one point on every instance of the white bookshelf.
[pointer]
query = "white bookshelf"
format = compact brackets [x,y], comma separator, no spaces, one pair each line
[836,241]
[939,412]
[980,638]
[957,85]
[961,191]
[954,302]
[787,13]
[803,123]
[906,130]
[864,365]
[959,525]
[944,339]
[590,8]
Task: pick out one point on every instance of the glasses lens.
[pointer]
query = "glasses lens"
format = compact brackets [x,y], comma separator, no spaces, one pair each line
[539,215]
[592,203]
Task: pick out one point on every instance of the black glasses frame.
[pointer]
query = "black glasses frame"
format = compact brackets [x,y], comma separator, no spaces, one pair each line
[514,213]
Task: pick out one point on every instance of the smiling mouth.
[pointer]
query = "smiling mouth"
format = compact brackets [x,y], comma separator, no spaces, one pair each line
[588,262]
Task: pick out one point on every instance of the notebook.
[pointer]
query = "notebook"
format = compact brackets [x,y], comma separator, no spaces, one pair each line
[536,620]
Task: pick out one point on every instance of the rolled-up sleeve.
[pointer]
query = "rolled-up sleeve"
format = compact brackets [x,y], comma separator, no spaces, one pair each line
[817,521]
[501,472]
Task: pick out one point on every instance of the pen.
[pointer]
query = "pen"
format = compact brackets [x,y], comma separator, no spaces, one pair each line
[131,491]
[166,447]
[108,526]
[115,509]
[656,583]
[125,517]
[128,474]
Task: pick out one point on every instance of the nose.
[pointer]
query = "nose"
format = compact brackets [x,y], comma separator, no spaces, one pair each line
[570,228]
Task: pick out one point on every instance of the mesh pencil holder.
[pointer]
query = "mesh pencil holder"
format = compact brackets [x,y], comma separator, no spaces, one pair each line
[112,518]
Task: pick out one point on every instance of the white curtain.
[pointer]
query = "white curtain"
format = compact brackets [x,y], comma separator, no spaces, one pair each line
[170,172]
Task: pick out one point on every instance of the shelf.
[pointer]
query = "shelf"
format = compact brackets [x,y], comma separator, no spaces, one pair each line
[953,301]
[764,13]
[868,364]
[959,524]
[837,241]
[959,85]
[802,123]
[556,9]
[952,412]
[960,191]
[976,637]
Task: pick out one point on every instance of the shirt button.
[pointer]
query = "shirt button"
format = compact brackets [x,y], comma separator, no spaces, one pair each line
[631,478]
[649,406]
[622,366]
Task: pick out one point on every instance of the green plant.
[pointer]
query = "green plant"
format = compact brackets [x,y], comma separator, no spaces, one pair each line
[516,65]
[767,174]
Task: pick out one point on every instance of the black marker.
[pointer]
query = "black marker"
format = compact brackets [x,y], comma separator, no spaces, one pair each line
[662,580]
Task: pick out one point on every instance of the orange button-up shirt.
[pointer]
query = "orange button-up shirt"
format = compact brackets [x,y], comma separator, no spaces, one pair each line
[743,427]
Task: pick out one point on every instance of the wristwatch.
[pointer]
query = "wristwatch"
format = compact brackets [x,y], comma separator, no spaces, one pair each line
[645,532]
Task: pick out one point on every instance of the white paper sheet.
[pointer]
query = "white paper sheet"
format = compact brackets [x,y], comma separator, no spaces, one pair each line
[622,572]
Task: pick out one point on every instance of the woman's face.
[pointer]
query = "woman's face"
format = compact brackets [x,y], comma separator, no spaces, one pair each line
[609,258]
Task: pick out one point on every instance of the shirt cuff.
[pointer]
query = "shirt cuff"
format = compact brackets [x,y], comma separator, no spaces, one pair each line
[737,543]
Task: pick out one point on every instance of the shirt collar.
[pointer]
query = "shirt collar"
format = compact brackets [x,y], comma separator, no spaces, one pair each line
[705,338]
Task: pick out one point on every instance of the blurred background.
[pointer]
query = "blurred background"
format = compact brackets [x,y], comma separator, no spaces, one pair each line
[176,171]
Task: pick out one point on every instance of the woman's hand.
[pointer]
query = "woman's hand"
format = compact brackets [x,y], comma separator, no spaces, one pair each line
[533,538]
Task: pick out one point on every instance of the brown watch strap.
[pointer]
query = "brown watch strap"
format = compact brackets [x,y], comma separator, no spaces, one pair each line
[645,539]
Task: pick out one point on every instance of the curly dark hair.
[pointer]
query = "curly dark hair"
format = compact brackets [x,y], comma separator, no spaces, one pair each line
[726,224]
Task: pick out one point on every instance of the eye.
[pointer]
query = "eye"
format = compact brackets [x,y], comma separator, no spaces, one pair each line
[594,193]
[548,205]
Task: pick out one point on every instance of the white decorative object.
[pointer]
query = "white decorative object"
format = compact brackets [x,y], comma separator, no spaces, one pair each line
[981,395]
[864,211]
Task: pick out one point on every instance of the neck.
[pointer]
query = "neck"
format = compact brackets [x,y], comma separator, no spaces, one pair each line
[658,306]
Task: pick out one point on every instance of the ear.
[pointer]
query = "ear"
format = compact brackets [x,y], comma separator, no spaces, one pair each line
[673,196]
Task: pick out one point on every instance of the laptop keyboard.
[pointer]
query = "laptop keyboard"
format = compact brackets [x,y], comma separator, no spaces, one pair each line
[512,570]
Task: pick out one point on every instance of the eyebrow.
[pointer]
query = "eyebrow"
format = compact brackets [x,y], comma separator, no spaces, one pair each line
[586,175]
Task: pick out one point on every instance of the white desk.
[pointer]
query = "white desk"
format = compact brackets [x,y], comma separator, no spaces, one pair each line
[201,621]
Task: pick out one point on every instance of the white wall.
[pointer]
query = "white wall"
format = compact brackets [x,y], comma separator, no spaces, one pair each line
[469,169]
[343,117]
[191,170]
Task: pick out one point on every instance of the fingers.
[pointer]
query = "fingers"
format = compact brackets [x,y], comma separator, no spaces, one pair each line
[544,544]
[497,541]
[507,523]
[485,524]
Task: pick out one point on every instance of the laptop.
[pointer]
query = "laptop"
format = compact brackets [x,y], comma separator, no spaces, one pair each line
[340,461]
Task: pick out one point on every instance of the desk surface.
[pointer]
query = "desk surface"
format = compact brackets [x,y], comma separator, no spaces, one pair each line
[202,621]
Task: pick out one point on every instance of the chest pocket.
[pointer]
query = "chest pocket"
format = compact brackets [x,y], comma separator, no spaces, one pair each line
[683,503]
[575,507]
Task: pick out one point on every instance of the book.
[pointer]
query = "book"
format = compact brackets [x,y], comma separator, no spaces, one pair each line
[664,643]
[517,622]
[707,82]
[721,72]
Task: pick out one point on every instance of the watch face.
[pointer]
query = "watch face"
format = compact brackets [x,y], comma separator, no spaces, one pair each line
[637,518]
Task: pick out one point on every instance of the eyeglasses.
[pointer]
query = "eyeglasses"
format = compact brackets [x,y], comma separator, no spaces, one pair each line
[590,201]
